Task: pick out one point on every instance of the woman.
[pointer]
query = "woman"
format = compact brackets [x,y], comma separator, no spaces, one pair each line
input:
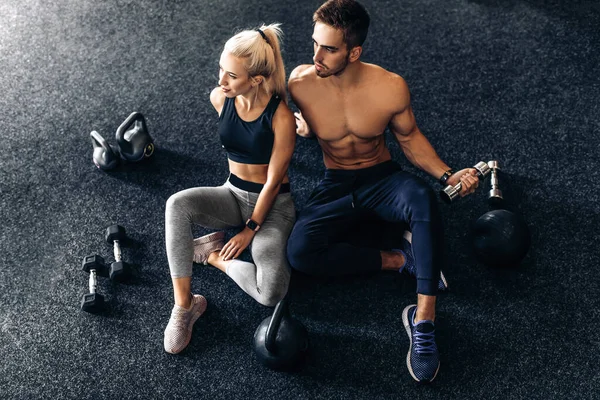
[258,131]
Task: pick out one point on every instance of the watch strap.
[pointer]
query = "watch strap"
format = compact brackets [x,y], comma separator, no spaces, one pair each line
[444,178]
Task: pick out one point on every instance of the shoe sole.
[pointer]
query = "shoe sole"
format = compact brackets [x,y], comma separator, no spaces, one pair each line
[202,240]
[444,281]
[211,237]
[409,333]
[193,320]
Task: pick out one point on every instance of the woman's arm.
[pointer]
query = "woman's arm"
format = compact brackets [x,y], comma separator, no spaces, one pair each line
[284,131]
[217,99]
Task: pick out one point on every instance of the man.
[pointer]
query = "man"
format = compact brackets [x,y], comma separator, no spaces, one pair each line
[348,104]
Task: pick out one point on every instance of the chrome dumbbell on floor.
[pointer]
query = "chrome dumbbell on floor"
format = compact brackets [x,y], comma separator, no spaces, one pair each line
[495,197]
[450,192]
[501,237]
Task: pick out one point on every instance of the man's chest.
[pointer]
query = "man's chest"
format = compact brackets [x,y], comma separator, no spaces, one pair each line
[332,117]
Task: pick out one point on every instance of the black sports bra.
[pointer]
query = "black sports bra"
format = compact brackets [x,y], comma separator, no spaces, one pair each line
[247,142]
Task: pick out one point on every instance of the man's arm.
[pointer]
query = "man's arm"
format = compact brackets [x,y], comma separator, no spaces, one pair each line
[294,83]
[416,146]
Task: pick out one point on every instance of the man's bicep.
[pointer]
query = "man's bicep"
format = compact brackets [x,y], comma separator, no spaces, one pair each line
[403,123]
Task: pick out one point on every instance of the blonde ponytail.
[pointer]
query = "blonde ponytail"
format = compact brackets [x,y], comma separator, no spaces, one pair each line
[262,56]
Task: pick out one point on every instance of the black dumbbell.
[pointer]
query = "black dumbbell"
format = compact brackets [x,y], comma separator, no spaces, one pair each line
[93,302]
[449,193]
[119,270]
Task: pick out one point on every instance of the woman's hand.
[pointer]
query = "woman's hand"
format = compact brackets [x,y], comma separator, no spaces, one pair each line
[234,247]
[302,128]
[468,179]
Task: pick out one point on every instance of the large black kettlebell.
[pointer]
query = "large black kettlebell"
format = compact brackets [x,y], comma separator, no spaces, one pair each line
[133,139]
[501,238]
[280,341]
[105,156]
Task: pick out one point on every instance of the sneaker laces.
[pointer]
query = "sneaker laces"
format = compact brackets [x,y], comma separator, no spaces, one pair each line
[424,342]
[179,318]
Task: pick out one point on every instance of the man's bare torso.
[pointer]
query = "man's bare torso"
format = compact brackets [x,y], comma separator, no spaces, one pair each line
[349,124]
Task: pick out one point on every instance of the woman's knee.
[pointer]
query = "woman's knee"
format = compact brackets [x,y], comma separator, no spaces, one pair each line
[274,286]
[273,271]
[189,202]
[270,296]
[175,203]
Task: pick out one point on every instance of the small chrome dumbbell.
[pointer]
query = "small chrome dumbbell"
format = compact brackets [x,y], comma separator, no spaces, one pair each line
[451,192]
[495,194]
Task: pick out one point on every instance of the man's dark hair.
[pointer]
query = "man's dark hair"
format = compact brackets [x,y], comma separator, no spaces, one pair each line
[349,16]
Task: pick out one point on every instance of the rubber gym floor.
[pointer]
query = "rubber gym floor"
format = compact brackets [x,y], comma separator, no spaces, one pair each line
[515,81]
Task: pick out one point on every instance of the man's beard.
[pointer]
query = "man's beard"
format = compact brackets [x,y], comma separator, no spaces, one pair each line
[336,72]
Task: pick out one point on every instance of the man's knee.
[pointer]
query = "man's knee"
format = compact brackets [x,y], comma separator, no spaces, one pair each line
[300,248]
[306,259]
[295,243]
[422,193]
[423,201]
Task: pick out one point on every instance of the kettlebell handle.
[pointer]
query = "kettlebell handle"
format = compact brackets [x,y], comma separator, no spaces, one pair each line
[97,139]
[280,309]
[134,116]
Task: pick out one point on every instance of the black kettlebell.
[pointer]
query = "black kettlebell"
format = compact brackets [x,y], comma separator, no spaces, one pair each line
[105,156]
[501,238]
[280,341]
[133,139]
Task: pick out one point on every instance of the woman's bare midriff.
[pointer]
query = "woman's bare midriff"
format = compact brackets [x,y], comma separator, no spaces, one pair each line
[256,173]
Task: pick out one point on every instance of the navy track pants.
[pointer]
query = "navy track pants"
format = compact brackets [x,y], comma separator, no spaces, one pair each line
[354,214]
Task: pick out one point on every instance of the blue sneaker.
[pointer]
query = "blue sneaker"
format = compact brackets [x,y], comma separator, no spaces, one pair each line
[409,267]
[422,360]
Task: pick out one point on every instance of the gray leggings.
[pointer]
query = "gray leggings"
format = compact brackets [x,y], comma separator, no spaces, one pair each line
[225,207]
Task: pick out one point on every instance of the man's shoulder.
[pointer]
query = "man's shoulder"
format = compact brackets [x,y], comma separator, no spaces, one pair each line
[387,78]
[390,86]
[301,81]
[302,73]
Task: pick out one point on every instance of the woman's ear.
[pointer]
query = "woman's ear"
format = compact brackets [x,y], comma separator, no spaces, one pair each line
[257,80]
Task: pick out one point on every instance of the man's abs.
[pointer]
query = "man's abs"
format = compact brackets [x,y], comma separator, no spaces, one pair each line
[352,152]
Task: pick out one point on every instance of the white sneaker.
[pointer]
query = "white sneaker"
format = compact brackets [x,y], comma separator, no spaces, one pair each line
[179,329]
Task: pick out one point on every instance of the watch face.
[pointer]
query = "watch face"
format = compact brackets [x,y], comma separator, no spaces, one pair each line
[251,224]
